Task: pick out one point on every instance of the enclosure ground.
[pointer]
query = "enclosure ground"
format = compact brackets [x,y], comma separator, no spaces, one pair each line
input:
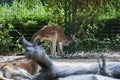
[77,59]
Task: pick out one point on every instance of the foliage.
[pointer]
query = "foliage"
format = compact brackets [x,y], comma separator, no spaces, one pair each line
[5,40]
[95,21]
[23,19]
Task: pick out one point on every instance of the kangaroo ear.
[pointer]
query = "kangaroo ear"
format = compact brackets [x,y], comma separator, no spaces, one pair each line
[73,36]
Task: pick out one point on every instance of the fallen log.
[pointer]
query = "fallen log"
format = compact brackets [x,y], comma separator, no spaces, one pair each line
[50,71]
[87,77]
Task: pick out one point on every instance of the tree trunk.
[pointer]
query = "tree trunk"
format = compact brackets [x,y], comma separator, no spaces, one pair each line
[50,71]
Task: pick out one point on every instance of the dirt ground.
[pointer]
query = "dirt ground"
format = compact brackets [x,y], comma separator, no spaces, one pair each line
[76,59]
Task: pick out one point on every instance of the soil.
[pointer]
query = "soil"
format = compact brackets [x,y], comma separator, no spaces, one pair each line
[73,60]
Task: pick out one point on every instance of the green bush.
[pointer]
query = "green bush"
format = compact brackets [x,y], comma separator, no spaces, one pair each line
[94,22]
[21,18]
[5,40]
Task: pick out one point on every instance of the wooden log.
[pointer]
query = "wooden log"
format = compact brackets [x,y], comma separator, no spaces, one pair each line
[37,53]
[87,77]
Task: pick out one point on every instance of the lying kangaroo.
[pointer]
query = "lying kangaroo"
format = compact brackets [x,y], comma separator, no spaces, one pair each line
[18,70]
[30,66]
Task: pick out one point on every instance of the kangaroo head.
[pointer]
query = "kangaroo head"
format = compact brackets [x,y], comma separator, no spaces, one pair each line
[74,38]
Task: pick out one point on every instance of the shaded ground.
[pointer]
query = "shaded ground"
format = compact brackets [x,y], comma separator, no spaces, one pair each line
[76,59]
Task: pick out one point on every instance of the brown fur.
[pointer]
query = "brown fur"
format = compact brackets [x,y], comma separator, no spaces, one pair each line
[31,67]
[53,34]
[49,32]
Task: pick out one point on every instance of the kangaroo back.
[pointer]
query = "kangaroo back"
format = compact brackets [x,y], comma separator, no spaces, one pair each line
[30,66]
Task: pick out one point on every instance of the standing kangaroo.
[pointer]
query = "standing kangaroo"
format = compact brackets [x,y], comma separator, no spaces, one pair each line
[56,36]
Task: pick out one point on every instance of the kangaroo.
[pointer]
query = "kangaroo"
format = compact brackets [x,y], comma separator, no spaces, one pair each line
[13,72]
[30,66]
[18,70]
[57,38]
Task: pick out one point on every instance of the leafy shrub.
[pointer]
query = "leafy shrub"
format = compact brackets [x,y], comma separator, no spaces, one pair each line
[21,18]
[5,40]
[93,26]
